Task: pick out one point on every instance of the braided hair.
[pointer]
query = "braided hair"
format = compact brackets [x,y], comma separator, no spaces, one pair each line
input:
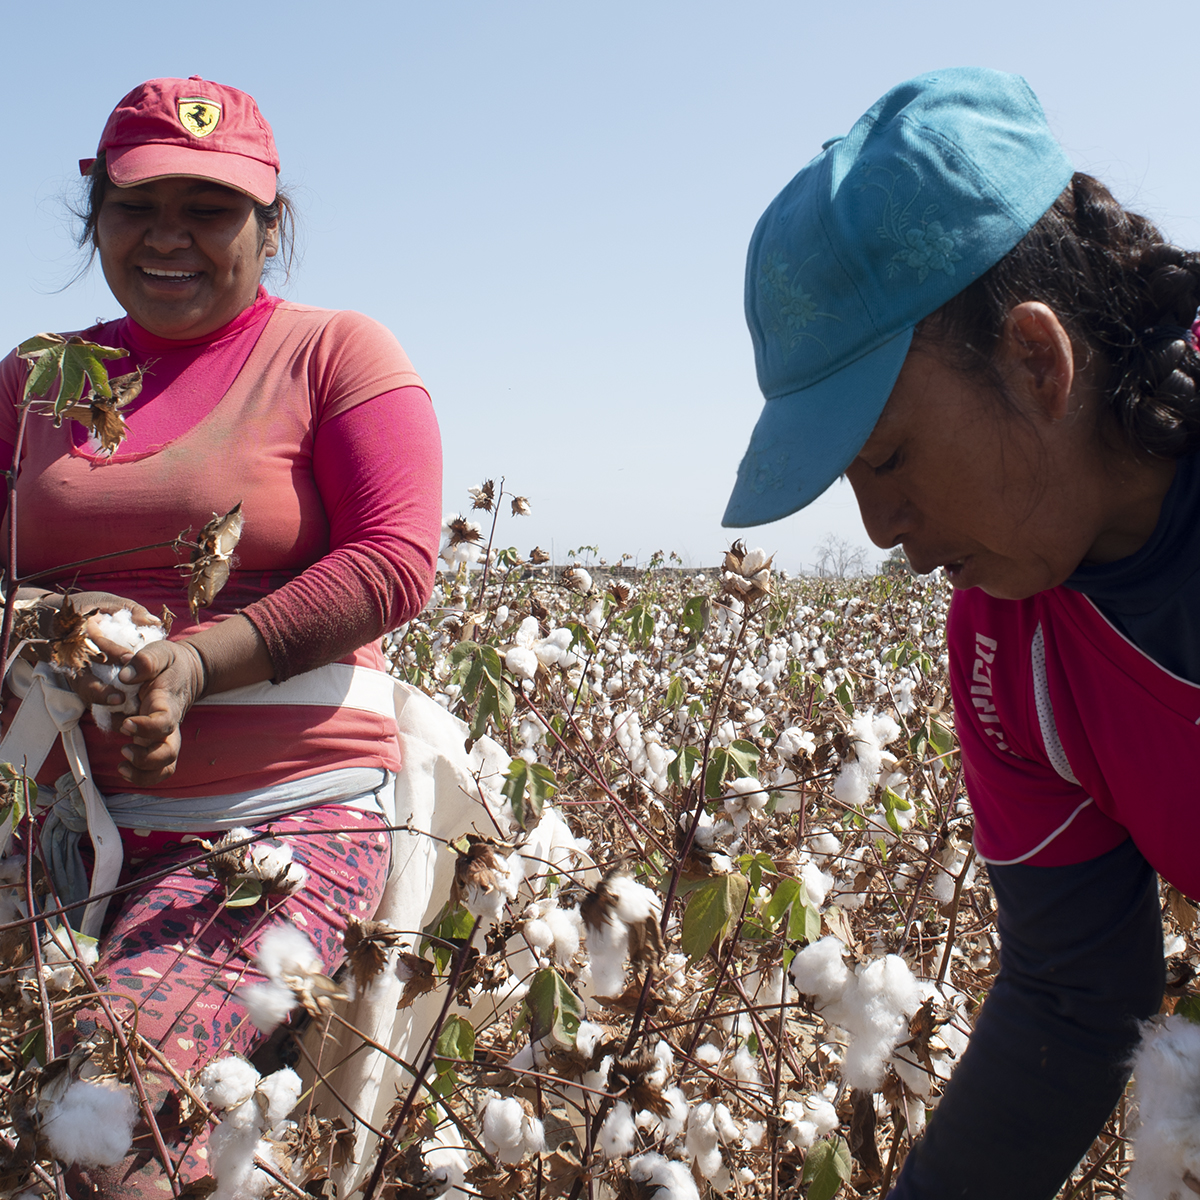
[1120,290]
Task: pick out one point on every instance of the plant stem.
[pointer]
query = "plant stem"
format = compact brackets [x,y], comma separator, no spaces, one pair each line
[10,564]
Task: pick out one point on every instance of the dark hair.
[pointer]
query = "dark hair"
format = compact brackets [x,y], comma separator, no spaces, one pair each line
[279,214]
[1120,290]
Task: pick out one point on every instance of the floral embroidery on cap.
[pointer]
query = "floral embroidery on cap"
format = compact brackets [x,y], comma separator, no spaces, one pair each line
[791,309]
[925,247]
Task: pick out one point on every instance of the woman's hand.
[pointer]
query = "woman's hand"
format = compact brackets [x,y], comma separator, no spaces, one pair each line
[172,677]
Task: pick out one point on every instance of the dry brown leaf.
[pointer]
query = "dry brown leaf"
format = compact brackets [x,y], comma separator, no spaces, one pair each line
[1181,909]
[70,646]
[537,556]
[167,617]
[213,559]
[500,1182]
[420,977]
[837,924]
[367,945]
[477,866]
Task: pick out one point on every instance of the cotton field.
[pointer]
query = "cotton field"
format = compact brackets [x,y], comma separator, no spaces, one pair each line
[718,929]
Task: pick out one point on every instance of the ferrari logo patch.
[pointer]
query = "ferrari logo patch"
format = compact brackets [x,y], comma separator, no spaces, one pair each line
[199,117]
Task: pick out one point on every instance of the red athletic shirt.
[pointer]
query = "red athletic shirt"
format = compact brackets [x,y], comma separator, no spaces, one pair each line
[317,423]
[1072,738]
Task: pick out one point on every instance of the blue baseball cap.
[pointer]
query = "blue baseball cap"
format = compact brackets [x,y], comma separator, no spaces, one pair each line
[935,184]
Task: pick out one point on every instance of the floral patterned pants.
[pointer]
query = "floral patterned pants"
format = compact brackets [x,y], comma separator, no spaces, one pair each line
[176,955]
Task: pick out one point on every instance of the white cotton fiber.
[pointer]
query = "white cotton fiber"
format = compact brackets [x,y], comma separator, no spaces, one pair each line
[708,1054]
[618,1133]
[874,1012]
[509,1131]
[228,1082]
[744,1066]
[816,883]
[281,1092]
[119,627]
[92,1124]
[231,1151]
[635,902]
[267,1004]
[1166,1144]
[608,948]
[662,1178]
[703,1143]
[820,970]
[285,950]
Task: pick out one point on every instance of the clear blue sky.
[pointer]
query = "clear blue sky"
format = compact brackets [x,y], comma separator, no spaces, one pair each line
[549,203]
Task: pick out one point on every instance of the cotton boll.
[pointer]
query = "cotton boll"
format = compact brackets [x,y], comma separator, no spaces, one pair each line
[281,1093]
[508,1130]
[821,1113]
[231,1152]
[284,950]
[728,1130]
[825,843]
[228,1082]
[267,1004]
[522,663]
[119,627]
[586,1037]
[527,633]
[702,1142]
[797,1128]
[608,948]
[753,1134]
[663,1178]
[708,1054]
[446,1165]
[744,1067]
[885,729]
[618,1133]
[820,970]
[1166,1074]
[793,741]
[874,1013]
[91,1124]
[816,883]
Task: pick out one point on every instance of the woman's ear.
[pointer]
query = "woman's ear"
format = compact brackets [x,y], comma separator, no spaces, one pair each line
[1038,358]
[271,240]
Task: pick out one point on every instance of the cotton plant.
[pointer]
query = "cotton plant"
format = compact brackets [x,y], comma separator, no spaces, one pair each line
[252,1108]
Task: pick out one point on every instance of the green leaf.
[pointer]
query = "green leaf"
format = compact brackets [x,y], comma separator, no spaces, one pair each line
[1189,1007]
[641,624]
[528,786]
[744,757]
[804,923]
[892,804]
[680,768]
[453,925]
[19,794]
[787,892]
[676,692]
[73,361]
[456,1040]
[826,1168]
[940,737]
[710,910]
[244,894]
[555,1011]
[845,697]
[714,779]
[697,613]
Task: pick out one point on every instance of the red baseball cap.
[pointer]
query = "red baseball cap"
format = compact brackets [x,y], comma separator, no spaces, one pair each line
[171,127]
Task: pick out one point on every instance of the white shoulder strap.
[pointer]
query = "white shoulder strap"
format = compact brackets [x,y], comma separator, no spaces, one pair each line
[49,711]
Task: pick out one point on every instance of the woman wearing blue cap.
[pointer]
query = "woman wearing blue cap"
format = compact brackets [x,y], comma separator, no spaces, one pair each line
[1002,361]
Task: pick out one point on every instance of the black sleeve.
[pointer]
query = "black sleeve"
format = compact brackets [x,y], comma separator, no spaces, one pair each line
[1081,961]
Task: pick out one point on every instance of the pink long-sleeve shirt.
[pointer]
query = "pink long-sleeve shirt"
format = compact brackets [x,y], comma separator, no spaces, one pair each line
[316,421]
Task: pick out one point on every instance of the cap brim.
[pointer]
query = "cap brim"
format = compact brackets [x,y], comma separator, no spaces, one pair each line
[803,441]
[132,165]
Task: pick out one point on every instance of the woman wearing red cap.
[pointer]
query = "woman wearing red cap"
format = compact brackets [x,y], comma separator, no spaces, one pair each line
[271,708]
[1003,361]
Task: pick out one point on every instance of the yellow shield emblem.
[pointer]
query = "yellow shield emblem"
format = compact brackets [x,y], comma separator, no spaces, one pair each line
[199,116]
